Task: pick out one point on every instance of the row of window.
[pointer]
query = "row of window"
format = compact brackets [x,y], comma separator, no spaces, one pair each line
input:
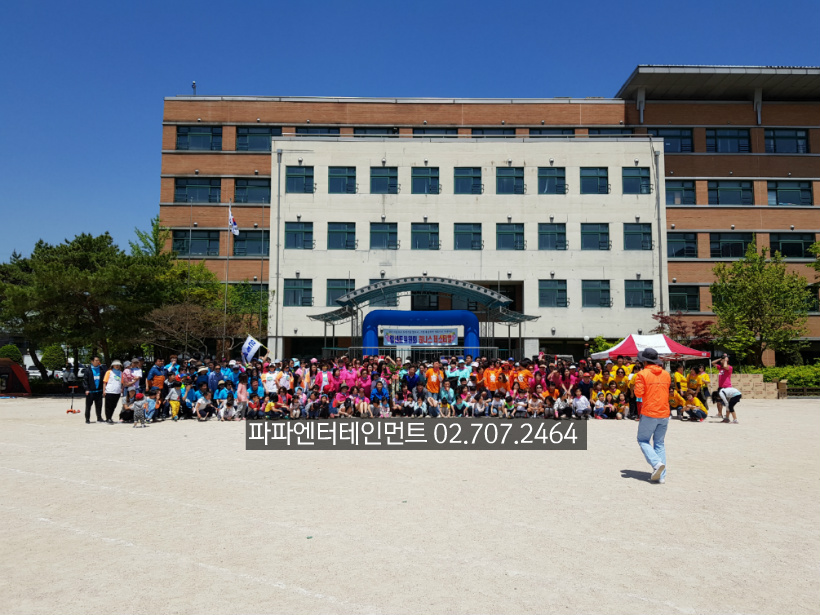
[298,292]
[468,236]
[733,245]
[509,180]
[731,192]
[423,236]
[466,180]
[676,140]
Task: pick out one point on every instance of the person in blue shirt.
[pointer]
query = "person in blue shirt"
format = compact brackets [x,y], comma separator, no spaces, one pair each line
[191,396]
[93,382]
[214,378]
[256,388]
[201,377]
[221,391]
[377,396]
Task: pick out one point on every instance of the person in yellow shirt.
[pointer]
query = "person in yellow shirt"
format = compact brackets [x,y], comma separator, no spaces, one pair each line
[620,380]
[694,408]
[676,402]
[620,364]
[704,381]
[679,379]
[693,382]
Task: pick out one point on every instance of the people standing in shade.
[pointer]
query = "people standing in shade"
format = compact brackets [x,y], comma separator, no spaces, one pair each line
[93,383]
[724,381]
[652,385]
[112,388]
[730,398]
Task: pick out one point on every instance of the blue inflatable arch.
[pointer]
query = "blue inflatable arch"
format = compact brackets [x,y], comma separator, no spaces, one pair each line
[414,318]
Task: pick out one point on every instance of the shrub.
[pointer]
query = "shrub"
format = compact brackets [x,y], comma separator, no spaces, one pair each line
[47,387]
[53,357]
[10,351]
[797,375]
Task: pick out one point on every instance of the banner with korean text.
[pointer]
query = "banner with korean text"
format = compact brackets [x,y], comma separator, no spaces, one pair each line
[420,337]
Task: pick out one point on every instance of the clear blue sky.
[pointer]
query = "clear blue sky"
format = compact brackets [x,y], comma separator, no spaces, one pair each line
[83,83]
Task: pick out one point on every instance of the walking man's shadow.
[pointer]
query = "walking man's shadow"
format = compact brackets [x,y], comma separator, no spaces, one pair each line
[644,476]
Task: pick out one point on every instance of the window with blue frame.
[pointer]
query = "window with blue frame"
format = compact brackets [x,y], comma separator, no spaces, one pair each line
[792,245]
[341,236]
[197,190]
[552,236]
[682,245]
[552,132]
[317,131]
[199,138]
[467,180]
[595,237]
[424,236]
[251,243]
[636,180]
[594,180]
[375,131]
[639,293]
[610,132]
[298,292]
[731,193]
[727,140]
[552,180]
[684,298]
[675,140]
[337,288]
[341,180]
[256,138]
[299,180]
[638,236]
[467,236]
[680,192]
[384,236]
[493,132]
[299,236]
[510,237]
[252,191]
[729,245]
[786,141]
[435,132]
[552,293]
[196,243]
[384,180]
[595,294]
[510,180]
[789,193]
[425,180]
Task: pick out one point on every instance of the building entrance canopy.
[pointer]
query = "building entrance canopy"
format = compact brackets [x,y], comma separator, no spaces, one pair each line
[494,303]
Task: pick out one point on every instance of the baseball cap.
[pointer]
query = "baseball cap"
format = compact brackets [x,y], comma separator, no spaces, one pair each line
[140,396]
[231,362]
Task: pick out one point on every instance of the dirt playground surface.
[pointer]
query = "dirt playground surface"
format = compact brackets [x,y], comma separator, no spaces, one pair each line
[179,518]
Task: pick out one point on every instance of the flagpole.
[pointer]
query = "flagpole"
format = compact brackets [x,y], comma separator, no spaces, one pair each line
[227,268]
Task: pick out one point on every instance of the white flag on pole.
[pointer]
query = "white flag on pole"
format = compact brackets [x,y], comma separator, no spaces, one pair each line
[232,222]
[250,348]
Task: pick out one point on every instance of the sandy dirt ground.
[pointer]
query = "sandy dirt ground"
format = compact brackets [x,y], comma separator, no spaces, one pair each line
[179,518]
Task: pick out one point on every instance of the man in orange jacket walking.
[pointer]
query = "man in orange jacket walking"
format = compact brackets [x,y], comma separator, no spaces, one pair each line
[652,386]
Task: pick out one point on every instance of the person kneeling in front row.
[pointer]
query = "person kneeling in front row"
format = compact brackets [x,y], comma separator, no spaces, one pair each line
[694,407]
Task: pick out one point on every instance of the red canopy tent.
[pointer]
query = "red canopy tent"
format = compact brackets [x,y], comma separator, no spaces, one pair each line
[13,379]
[667,348]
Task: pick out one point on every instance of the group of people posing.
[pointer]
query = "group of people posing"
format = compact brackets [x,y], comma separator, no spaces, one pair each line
[382,387]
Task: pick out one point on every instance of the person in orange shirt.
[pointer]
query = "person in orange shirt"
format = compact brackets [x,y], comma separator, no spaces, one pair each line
[434,377]
[491,377]
[652,387]
[523,377]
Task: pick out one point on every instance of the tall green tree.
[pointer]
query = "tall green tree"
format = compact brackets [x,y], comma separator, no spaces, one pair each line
[151,242]
[85,291]
[759,305]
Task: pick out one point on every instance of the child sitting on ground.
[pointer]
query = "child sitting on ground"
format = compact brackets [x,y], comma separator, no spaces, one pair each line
[694,407]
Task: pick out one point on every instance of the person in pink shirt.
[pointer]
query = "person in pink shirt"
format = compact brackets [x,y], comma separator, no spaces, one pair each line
[348,375]
[364,382]
[724,381]
[242,396]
